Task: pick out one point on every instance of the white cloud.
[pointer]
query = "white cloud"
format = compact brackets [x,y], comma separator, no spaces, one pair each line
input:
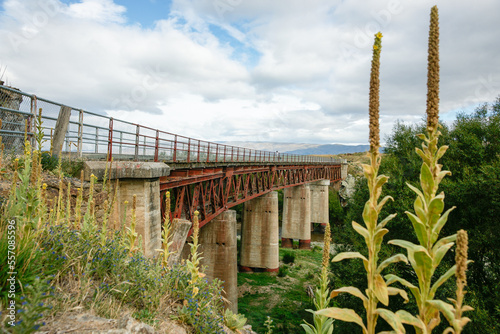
[295,71]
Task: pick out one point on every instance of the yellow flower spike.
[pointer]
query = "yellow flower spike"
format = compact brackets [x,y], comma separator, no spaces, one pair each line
[379,35]
[44,186]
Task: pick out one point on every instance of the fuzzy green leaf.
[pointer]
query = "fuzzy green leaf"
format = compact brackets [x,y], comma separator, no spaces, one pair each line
[349,255]
[426,179]
[444,308]
[392,259]
[408,245]
[414,290]
[344,314]
[436,206]
[380,181]
[441,175]
[440,253]
[416,190]
[443,241]
[386,220]
[395,291]
[351,290]
[436,229]
[392,319]
[407,318]
[379,235]
[424,269]
[361,230]
[441,280]
[420,209]
[442,150]
[308,329]
[369,215]
[419,228]
[382,202]
[381,290]
[421,154]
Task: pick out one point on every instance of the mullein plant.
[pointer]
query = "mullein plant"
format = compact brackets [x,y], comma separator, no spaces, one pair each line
[322,324]
[193,264]
[454,314]
[166,234]
[377,290]
[131,234]
[429,219]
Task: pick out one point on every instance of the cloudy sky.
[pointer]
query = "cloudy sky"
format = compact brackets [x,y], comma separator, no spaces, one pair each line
[249,70]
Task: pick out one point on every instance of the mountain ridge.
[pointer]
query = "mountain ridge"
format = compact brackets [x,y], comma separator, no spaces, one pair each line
[300,148]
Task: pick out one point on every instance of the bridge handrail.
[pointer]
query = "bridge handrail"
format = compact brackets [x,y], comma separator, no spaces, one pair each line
[90,133]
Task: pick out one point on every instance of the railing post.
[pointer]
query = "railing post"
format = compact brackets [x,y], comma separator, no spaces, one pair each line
[110,139]
[136,155]
[216,152]
[96,148]
[199,147]
[31,119]
[225,147]
[208,152]
[157,142]
[174,155]
[80,133]
[189,150]
[232,153]
[121,141]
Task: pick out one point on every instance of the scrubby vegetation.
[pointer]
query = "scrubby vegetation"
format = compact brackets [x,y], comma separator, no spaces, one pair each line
[62,258]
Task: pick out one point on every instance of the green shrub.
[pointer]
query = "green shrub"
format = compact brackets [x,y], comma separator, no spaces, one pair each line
[288,258]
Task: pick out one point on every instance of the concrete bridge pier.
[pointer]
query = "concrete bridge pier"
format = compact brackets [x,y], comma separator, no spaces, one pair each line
[260,234]
[219,252]
[296,216]
[143,180]
[319,202]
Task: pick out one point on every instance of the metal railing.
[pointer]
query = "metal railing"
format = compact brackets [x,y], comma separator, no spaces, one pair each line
[97,136]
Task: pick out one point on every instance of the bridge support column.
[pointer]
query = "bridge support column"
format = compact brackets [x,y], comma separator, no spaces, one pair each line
[319,202]
[143,180]
[260,233]
[296,216]
[219,247]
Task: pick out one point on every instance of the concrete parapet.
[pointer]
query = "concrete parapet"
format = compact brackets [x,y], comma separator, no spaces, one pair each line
[125,169]
[260,233]
[219,254]
[319,202]
[296,213]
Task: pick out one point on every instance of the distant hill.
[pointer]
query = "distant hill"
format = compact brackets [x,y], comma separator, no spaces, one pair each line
[300,148]
[331,149]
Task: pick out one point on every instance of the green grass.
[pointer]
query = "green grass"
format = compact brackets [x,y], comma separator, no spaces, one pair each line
[284,299]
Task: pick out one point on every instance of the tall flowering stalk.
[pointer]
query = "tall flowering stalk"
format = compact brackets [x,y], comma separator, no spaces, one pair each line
[454,315]
[193,264]
[166,234]
[429,219]
[322,324]
[373,233]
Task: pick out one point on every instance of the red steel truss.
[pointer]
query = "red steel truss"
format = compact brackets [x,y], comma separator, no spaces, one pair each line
[211,191]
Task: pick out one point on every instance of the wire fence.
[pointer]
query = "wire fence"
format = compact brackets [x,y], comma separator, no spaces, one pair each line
[98,136]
